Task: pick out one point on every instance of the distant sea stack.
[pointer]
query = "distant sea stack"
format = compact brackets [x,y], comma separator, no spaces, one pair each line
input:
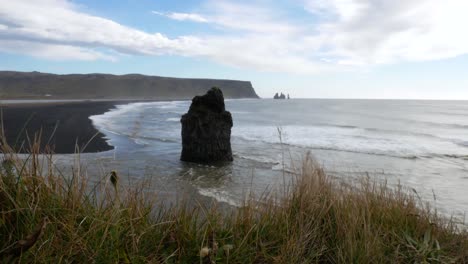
[36,85]
[206,129]
[280,96]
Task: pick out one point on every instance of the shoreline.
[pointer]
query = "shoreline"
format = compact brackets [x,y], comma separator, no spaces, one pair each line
[62,125]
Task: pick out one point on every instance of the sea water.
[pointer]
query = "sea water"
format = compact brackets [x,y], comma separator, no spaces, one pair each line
[421,144]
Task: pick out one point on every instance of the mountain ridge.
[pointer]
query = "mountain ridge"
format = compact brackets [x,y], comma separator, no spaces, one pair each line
[39,85]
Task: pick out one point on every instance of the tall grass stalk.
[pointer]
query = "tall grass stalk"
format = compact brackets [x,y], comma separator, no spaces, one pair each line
[46,217]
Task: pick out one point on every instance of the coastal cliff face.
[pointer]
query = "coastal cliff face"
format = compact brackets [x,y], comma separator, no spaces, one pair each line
[36,85]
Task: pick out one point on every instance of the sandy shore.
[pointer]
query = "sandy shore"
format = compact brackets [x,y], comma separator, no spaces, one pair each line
[61,125]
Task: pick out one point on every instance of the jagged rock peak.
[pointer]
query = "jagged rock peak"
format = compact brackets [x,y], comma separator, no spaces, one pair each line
[206,129]
[213,100]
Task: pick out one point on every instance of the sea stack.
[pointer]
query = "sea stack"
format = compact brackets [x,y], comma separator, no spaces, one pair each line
[206,129]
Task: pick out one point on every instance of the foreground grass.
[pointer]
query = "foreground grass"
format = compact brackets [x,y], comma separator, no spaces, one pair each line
[48,218]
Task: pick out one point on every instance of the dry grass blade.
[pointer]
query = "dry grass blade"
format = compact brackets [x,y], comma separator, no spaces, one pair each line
[24,245]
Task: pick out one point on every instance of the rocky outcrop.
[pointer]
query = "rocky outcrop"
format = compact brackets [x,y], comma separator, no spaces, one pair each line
[206,129]
[281,96]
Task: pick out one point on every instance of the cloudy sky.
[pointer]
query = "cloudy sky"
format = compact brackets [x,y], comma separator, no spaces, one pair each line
[308,48]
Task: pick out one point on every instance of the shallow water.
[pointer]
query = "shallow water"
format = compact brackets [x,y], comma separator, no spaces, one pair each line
[422,144]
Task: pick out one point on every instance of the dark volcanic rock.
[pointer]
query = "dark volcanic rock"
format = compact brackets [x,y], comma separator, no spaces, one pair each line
[206,129]
[281,96]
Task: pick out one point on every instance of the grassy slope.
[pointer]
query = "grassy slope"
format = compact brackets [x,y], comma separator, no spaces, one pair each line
[48,218]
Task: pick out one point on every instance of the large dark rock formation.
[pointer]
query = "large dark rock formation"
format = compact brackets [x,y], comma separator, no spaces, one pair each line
[206,129]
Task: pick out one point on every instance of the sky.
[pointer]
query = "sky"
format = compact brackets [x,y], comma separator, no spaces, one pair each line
[412,49]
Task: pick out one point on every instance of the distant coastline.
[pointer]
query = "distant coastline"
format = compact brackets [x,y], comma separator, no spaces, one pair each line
[46,86]
[60,105]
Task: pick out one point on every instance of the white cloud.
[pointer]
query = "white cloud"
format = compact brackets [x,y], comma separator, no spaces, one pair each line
[367,32]
[57,24]
[346,33]
[182,16]
[52,51]
[258,34]
[249,17]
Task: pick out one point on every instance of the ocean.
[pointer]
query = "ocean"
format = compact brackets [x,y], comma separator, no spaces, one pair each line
[422,145]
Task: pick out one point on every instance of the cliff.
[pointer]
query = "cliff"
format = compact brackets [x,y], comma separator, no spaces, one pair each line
[36,85]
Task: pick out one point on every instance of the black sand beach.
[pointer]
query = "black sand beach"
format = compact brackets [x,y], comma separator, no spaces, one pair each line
[62,126]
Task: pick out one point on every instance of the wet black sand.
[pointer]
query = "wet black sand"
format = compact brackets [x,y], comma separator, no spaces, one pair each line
[64,127]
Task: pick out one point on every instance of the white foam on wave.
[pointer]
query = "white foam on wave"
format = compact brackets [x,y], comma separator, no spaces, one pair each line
[171,104]
[285,168]
[103,121]
[219,195]
[275,162]
[122,110]
[140,141]
[259,158]
[351,140]
[133,120]
[173,119]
